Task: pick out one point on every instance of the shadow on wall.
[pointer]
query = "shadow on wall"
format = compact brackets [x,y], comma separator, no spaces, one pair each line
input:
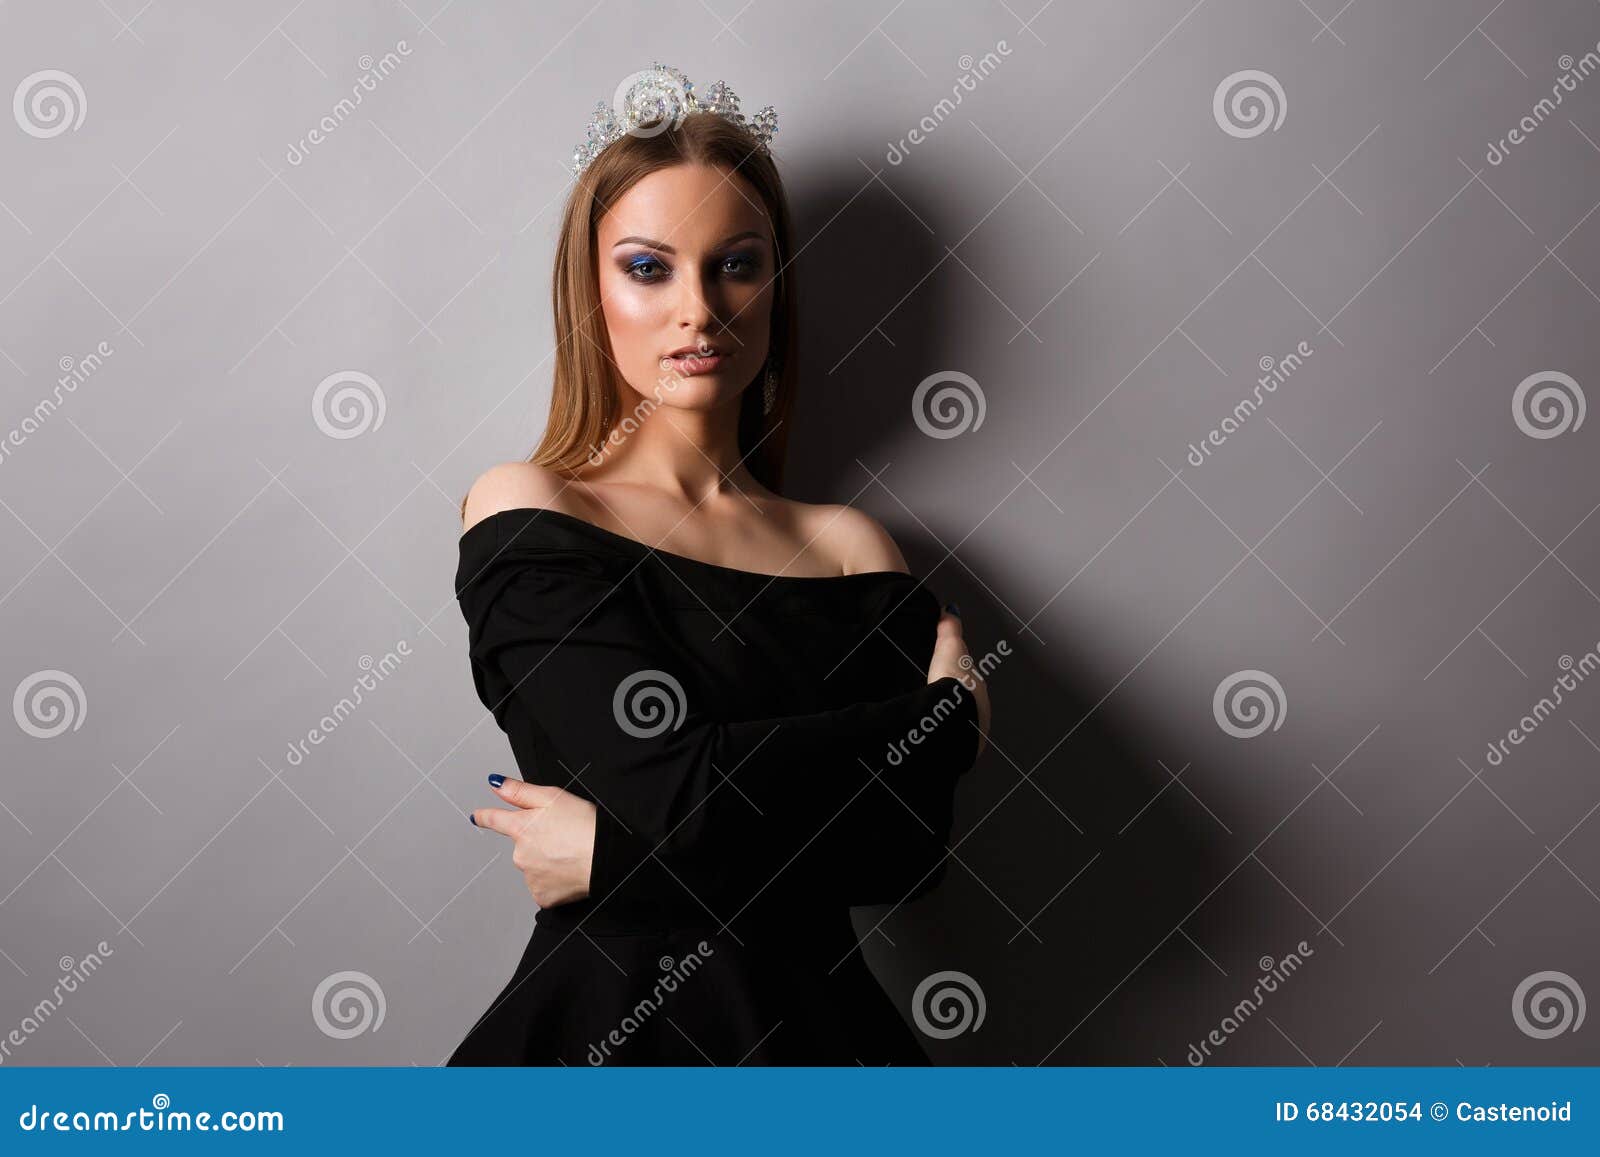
[1062,965]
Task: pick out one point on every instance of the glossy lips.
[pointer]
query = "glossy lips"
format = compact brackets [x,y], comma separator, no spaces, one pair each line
[692,360]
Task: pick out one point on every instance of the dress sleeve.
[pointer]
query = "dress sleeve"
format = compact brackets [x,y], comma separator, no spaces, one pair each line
[724,805]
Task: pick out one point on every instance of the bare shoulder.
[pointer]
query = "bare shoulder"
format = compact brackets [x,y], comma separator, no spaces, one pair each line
[854,537]
[513,485]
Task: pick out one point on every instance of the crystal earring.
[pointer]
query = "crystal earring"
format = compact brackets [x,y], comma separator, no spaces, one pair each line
[769,389]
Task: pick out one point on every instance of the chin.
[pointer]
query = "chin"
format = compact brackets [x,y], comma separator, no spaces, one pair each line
[700,392]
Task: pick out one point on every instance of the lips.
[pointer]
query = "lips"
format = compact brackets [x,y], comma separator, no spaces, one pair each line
[704,350]
[693,360]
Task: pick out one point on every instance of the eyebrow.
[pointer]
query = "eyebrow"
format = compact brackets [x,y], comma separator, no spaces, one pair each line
[665,248]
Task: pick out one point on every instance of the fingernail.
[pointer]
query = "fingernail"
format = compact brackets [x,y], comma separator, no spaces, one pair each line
[953,609]
[496,780]
[472,819]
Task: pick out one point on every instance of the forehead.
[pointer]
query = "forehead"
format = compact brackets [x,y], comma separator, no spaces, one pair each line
[687,206]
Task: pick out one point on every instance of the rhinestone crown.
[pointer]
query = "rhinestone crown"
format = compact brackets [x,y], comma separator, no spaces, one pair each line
[663,96]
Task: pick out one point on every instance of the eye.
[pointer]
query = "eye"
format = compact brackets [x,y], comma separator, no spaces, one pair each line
[740,265]
[636,268]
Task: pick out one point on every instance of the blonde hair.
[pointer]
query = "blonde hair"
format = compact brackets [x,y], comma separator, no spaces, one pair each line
[584,392]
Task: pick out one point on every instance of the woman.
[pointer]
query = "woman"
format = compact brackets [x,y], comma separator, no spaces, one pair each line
[728,736]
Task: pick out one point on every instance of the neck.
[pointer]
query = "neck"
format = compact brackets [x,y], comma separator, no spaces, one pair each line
[690,454]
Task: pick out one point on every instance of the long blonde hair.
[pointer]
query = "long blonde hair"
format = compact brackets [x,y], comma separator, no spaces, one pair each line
[584,390]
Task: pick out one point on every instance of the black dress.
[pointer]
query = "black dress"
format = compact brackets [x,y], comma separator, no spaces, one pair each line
[764,752]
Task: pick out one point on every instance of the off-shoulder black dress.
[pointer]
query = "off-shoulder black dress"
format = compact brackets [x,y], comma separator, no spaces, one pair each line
[763,753]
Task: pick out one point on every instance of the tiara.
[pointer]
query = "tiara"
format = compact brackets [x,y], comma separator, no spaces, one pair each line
[663,96]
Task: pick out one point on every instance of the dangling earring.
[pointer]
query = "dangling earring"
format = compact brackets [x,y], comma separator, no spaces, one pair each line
[769,389]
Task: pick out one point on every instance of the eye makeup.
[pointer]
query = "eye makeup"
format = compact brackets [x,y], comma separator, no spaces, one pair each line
[645,267]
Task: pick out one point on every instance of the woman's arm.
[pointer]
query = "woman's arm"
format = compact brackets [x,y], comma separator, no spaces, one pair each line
[724,805]
[891,844]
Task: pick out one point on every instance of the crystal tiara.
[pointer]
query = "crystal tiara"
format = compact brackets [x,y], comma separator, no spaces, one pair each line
[661,96]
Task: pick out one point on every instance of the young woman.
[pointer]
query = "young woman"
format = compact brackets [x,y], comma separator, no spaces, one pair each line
[734,715]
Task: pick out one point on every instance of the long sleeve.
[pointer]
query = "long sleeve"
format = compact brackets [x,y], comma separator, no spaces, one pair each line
[726,806]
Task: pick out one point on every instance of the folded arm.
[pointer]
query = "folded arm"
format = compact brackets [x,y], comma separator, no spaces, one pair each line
[725,805]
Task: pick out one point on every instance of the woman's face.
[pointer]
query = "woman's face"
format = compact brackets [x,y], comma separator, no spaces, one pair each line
[686,261]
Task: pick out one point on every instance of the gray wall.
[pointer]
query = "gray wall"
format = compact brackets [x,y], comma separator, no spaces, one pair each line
[187,537]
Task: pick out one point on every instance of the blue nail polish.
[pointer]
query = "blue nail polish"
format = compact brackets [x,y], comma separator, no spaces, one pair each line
[496,780]
[472,819]
[953,609]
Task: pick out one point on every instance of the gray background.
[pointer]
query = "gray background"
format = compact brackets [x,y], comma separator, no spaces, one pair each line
[1082,238]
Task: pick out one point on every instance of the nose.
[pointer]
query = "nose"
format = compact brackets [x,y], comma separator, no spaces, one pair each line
[696,308]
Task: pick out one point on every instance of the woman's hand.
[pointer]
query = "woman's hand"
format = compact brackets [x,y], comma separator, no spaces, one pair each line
[951,659]
[553,836]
